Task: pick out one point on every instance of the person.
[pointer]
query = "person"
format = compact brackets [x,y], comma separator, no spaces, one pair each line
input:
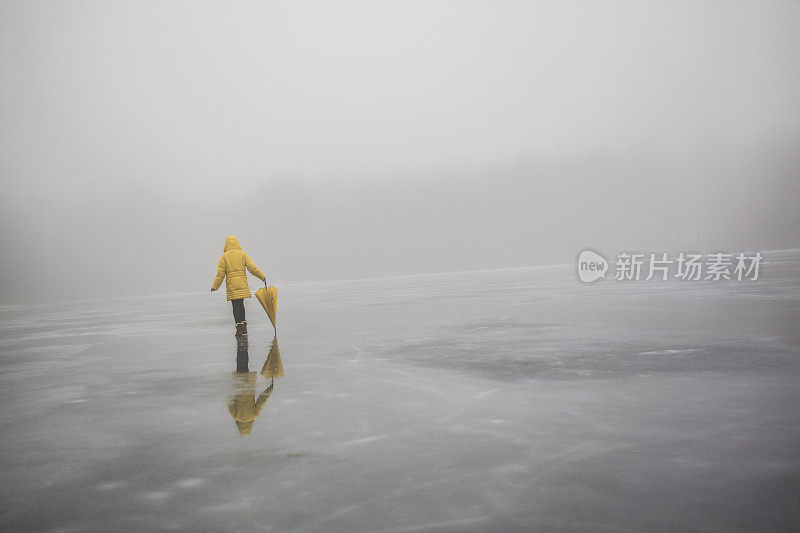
[243,404]
[233,267]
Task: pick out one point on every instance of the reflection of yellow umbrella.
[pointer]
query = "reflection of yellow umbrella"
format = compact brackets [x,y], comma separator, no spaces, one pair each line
[268,298]
[273,367]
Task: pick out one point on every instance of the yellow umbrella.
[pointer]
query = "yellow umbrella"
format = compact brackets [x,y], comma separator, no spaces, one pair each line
[268,298]
[273,367]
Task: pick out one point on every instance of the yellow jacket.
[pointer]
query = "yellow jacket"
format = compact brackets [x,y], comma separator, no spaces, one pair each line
[244,406]
[232,267]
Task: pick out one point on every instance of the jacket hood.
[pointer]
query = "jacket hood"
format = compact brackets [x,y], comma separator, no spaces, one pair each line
[231,243]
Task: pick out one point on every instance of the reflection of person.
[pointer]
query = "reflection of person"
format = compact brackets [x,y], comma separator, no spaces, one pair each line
[244,406]
[233,267]
[242,358]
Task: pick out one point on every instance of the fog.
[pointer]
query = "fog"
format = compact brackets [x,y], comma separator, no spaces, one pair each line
[362,139]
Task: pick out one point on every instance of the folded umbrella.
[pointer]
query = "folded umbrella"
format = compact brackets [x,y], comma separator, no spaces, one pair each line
[273,366]
[268,298]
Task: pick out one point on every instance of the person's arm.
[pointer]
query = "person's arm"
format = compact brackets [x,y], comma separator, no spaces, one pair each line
[220,274]
[262,399]
[251,266]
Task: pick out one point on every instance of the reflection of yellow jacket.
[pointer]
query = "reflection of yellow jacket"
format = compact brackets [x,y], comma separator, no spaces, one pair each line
[232,267]
[244,407]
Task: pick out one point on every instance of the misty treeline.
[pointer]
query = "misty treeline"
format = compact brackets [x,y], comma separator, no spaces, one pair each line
[79,239]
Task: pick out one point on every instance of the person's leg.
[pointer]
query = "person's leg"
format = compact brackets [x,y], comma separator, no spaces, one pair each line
[238,316]
[238,310]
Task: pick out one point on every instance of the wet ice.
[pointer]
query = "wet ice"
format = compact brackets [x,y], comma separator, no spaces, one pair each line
[493,400]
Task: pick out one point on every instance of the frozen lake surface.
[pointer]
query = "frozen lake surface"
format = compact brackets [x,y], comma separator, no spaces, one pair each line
[510,400]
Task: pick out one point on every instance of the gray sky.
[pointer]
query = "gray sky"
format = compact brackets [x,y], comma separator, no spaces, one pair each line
[352,139]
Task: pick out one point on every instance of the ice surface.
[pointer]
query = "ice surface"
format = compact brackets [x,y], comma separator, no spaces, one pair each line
[505,400]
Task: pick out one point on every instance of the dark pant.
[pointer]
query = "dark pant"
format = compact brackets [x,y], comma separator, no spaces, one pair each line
[242,360]
[238,310]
